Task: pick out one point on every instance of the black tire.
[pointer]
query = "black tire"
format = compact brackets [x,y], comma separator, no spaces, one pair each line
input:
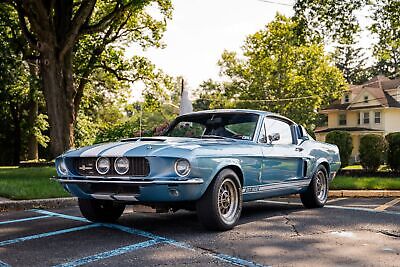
[224,214]
[100,210]
[317,192]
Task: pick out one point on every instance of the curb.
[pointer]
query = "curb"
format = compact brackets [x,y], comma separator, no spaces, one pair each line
[364,193]
[51,203]
[55,203]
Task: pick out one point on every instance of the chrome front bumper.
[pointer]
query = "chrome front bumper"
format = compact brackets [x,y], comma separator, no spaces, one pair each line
[113,180]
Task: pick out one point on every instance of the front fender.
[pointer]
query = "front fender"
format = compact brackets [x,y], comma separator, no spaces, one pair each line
[211,169]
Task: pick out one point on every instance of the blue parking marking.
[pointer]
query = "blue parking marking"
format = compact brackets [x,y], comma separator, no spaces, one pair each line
[58,232]
[3,264]
[154,238]
[237,261]
[109,254]
[69,217]
[25,219]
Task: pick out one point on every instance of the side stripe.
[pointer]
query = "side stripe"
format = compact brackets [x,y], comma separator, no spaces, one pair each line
[274,186]
[3,264]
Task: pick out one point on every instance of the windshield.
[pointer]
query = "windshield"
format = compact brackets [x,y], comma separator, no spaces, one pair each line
[215,125]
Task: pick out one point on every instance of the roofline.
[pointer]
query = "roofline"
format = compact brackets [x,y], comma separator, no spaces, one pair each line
[250,111]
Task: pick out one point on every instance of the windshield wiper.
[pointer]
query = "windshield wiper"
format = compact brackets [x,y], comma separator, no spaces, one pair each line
[205,136]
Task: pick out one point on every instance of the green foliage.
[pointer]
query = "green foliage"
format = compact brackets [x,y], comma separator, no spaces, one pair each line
[386,25]
[372,151]
[393,151]
[279,72]
[153,120]
[344,142]
[329,20]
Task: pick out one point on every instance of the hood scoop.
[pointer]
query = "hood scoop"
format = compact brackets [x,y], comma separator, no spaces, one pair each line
[146,139]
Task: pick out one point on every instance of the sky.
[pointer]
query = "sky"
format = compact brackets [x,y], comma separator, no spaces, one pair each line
[201,30]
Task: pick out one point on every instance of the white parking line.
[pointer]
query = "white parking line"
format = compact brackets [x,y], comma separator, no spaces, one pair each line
[336,199]
[334,207]
[388,205]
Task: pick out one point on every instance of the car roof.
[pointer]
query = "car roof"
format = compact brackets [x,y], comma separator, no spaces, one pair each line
[252,111]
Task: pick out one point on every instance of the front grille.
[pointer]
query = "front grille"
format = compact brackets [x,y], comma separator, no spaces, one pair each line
[138,166]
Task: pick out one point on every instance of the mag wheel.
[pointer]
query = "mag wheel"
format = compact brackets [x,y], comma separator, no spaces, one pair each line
[100,210]
[221,205]
[317,192]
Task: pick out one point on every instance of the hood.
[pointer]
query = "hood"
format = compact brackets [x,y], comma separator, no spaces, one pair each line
[149,146]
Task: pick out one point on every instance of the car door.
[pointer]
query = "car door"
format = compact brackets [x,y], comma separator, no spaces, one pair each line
[282,158]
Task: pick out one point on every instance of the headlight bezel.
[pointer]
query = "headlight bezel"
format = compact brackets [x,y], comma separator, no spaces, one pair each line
[97,165]
[187,169]
[62,167]
[116,165]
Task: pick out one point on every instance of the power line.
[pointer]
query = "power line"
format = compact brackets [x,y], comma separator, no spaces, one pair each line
[276,3]
[256,100]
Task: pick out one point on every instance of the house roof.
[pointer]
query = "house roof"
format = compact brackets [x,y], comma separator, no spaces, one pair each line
[378,87]
[348,129]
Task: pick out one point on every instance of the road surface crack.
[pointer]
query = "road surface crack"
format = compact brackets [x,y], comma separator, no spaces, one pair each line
[290,223]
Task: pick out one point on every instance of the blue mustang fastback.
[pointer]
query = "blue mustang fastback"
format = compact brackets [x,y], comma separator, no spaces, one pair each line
[208,161]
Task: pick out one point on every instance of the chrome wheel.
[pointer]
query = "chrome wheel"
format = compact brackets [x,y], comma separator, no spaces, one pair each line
[321,186]
[228,200]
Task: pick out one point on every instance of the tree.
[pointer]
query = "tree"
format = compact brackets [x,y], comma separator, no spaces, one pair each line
[280,72]
[22,129]
[386,25]
[58,29]
[328,20]
[372,151]
[351,61]
[344,142]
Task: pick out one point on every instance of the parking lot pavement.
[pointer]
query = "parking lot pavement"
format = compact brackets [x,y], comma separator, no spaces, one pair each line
[271,232]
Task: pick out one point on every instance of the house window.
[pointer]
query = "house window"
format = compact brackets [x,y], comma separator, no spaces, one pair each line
[346,98]
[366,117]
[359,118]
[342,119]
[365,99]
[377,117]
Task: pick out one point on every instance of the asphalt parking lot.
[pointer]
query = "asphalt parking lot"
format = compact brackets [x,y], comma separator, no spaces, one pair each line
[275,232]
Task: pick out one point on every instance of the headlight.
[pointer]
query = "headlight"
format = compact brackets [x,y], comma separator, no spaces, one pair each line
[182,167]
[103,165]
[121,165]
[62,167]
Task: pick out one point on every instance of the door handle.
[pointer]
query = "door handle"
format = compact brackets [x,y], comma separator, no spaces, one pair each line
[299,149]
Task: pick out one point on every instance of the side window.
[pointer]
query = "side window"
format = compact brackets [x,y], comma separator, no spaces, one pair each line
[277,126]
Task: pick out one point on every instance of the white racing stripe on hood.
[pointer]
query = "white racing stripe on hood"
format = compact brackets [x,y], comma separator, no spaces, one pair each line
[120,150]
[94,152]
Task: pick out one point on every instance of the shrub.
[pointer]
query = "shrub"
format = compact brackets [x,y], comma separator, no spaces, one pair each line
[393,152]
[372,151]
[344,142]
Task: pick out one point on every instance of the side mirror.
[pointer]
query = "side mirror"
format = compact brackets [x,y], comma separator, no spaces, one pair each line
[274,137]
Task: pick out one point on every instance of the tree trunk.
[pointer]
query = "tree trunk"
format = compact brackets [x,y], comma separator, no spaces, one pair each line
[33,153]
[59,92]
[17,133]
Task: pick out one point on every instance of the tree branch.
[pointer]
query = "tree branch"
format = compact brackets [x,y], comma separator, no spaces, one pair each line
[24,28]
[107,19]
[79,19]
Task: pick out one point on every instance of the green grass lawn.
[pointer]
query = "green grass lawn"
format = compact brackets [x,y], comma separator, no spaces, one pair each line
[29,183]
[364,183]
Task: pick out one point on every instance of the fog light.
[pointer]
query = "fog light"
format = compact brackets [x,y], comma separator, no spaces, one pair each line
[173,192]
